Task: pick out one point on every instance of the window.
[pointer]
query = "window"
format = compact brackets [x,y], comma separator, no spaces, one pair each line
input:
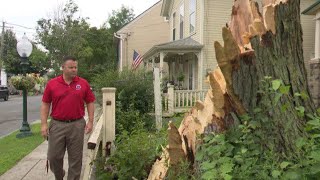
[181,20]
[174,26]
[192,16]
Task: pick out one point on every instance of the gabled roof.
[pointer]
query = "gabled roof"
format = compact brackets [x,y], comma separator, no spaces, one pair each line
[312,10]
[182,44]
[139,16]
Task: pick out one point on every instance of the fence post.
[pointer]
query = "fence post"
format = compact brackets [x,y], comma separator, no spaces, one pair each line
[157,98]
[109,120]
[171,99]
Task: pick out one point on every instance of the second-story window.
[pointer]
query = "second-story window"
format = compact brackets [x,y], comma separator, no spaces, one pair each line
[181,20]
[174,26]
[192,16]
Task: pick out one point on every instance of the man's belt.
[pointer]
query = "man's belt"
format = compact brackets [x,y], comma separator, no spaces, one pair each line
[67,121]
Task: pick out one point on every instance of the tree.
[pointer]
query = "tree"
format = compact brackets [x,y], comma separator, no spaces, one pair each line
[256,48]
[62,34]
[39,61]
[11,58]
[95,48]
[119,18]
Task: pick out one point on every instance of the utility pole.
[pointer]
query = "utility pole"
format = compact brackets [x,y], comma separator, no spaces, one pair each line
[2,44]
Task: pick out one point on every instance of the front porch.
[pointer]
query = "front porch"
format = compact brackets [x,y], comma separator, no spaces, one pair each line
[179,62]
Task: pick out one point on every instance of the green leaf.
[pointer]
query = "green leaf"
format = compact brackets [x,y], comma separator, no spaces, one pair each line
[276,173]
[315,155]
[300,142]
[284,107]
[226,168]
[277,98]
[284,164]
[244,150]
[227,176]
[285,89]
[210,174]
[297,94]
[276,84]
[291,175]
[315,122]
[208,165]
[199,155]
[300,109]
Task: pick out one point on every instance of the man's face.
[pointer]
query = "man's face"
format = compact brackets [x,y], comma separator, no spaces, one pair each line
[69,68]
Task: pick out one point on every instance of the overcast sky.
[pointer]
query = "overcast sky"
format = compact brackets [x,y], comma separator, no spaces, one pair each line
[27,12]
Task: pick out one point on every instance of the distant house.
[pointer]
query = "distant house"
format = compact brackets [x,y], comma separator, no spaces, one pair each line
[146,30]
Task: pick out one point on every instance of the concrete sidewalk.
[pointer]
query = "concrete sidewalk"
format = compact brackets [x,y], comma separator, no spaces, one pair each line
[33,166]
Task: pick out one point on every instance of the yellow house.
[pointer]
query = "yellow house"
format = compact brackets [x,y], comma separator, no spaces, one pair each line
[146,30]
[194,25]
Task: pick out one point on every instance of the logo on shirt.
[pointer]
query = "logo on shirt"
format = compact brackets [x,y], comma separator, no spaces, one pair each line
[78,87]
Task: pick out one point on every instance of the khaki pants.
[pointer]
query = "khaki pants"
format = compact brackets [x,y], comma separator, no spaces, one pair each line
[66,136]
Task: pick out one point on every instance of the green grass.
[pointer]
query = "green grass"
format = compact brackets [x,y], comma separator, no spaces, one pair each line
[12,150]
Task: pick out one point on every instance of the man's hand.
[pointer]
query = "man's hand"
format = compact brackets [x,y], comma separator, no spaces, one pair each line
[89,127]
[44,131]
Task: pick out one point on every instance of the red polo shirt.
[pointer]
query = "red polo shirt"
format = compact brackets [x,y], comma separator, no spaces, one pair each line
[67,100]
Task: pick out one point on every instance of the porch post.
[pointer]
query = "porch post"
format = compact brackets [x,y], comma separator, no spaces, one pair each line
[157,98]
[109,120]
[171,99]
[162,54]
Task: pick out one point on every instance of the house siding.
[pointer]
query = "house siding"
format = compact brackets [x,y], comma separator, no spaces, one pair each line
[308,28]
[217,14]
[150,29]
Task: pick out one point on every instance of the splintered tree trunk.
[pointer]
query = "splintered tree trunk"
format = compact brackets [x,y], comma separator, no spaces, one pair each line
[274,49]
[256,45]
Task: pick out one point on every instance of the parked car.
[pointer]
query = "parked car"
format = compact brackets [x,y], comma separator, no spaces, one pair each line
[4,93]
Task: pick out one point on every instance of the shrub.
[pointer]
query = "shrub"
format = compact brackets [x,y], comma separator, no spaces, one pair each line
[134,97]
[135,154]
[134,89]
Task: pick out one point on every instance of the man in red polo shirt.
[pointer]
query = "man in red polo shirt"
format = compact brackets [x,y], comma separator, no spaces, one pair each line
[67,94]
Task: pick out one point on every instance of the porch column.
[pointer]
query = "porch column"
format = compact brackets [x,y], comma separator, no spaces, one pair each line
[200,69]
[171,99]
[162,55]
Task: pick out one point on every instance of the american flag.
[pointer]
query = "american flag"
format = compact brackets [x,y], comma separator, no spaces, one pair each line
[137,59]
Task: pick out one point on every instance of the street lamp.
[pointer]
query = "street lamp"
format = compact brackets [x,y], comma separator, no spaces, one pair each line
[24,48]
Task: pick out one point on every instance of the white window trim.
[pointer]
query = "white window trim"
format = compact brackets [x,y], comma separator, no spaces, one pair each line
[173,24]
[195,17]
[184,17]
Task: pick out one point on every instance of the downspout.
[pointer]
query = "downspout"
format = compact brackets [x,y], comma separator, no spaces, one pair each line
[121,46]
[202,11]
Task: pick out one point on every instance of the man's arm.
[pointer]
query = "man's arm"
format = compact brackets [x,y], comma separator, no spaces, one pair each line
[89,126]
[44,113]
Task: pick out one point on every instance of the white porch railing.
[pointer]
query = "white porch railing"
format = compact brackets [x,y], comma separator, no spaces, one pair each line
[180,100]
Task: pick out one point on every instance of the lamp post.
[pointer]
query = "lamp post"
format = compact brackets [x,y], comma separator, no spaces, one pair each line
[24,48]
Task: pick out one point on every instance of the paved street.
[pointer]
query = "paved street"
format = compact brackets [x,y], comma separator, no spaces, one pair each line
[11,113]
